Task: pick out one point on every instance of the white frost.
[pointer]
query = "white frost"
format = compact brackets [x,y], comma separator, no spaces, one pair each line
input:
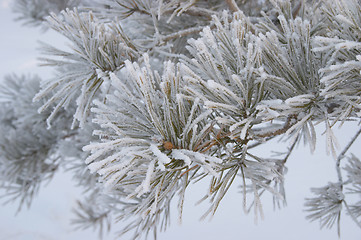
[162,158]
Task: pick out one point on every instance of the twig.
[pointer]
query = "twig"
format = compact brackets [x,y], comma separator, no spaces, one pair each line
[195,166]
[342,154]
[290,150]
[200,12]
[182,33]
[291,120]
[266,139]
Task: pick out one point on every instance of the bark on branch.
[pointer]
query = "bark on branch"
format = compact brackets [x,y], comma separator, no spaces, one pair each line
[232,5]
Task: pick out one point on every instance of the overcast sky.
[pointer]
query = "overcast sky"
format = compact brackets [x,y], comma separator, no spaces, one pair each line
[49,216]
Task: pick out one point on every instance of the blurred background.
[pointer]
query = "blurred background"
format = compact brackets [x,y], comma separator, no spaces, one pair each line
[50,214]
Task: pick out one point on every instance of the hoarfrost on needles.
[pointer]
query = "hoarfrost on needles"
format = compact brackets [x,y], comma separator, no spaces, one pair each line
[191,95]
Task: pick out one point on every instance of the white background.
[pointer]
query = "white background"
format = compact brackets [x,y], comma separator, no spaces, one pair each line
[50,214]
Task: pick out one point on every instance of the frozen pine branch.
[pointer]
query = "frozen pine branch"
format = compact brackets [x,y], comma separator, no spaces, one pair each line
[326,205]
[93,214]
[174,92]
[353,169]
[342,47]
[28,150]
[96,50]
[35,12]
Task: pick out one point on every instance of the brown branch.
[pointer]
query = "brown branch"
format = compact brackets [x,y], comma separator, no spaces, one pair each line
[284,129]
[200,12]
[296,10]
[221,136]
[207,145]
[188,170]
[192,11]
[232,5]
[182,33]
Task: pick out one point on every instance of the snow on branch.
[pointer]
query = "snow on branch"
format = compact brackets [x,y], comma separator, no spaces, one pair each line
[96,50]
[28,150]
[326,205]
[35,12]
[149,132]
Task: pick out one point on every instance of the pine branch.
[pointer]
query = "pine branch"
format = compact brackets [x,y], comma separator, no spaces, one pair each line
[237,80]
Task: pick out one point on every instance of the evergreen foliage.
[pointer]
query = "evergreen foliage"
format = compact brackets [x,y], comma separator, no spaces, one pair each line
[169,93]
[34,12]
